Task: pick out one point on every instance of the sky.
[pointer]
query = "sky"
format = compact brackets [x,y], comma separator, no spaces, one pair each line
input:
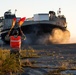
[27,8]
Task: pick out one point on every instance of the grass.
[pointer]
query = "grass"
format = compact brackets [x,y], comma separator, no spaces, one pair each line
[24,53]
[10,64]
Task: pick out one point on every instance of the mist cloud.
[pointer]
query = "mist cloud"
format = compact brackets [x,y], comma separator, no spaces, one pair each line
[56,37]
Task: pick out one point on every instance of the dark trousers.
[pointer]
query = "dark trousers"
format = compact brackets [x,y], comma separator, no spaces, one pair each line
[16,52]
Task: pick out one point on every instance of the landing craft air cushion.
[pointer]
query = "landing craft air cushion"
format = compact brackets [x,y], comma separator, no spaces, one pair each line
[38,26]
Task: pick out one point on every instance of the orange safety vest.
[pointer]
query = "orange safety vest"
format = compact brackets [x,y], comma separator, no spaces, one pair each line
[15,42]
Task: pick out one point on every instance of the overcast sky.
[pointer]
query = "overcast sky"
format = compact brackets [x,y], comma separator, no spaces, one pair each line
[26,8]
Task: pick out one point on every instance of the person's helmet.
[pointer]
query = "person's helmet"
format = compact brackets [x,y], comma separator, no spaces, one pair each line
[15,32]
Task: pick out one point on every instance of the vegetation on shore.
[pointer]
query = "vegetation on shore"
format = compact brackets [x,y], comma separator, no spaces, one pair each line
[10,64]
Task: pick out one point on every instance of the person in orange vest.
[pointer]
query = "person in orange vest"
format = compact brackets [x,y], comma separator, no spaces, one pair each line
[15,41]
[16,37]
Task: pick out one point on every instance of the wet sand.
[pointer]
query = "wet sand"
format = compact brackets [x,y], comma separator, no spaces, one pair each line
[63,54]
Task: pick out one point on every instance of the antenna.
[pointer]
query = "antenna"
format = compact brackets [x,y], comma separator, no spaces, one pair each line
[59,12]
[9,10]
[15,11]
